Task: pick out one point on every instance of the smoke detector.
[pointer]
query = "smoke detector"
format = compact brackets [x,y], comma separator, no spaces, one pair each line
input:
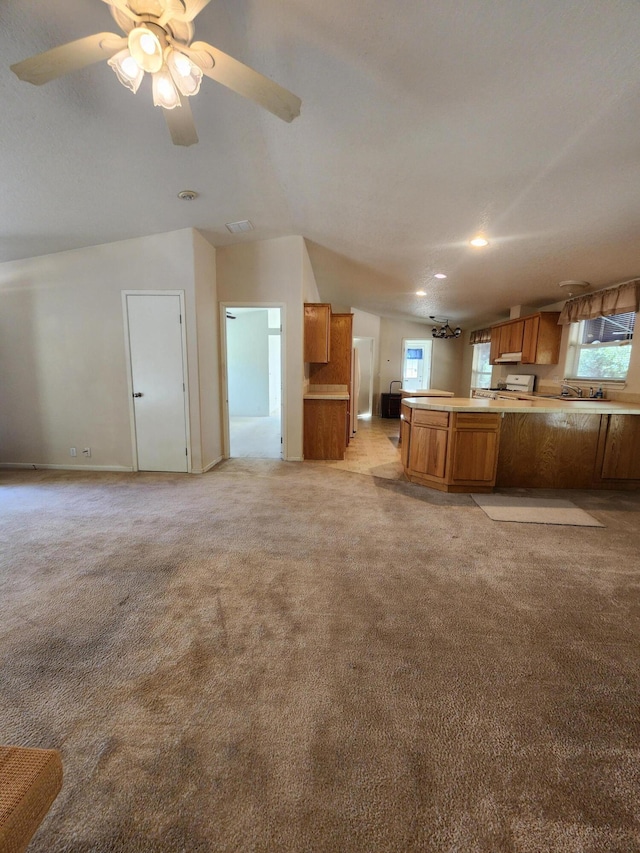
[574,288]
[187,195]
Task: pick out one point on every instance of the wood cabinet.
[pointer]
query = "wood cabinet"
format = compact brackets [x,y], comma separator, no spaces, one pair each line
[511,336]
[324,436]
[428,443]
[337,371]
[537,337]
[474,454]
[327,422]
[569,451]
[405,434]
[452,452]
[317,331]
[621,448]
[541,339]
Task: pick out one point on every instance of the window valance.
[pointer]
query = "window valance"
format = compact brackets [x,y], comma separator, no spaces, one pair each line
[480,336]
[603,303]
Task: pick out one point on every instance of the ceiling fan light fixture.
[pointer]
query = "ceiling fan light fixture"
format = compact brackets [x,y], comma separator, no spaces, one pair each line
[146,45]
[186,74]
[127,70]
[165,93]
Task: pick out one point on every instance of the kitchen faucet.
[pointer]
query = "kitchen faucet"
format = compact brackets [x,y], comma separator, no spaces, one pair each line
[578,391]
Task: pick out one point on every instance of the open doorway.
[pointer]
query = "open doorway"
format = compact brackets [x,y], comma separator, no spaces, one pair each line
[416,364]
[253,348]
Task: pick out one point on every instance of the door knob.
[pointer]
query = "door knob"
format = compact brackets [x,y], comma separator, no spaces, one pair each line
[138,394]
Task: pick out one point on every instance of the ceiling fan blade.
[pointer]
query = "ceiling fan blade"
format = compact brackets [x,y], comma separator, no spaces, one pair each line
[122,6]
[68,57]
[181,125]
[191,9]
[245,81]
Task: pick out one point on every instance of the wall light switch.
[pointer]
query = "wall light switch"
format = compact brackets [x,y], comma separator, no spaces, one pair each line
[72,451]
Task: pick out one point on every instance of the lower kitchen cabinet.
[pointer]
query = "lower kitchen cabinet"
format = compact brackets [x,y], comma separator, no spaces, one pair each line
[453,452]
[475,451]
[405,435]
[621,450]
[428,443]
[325,435]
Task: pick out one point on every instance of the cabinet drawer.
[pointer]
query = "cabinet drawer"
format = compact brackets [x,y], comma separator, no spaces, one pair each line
[423,417]
[405,413]
[477,420]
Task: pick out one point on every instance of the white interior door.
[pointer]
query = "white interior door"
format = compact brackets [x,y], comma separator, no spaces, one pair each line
[155,335]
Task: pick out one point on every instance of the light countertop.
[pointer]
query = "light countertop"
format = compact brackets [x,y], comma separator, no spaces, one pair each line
[426,392]
[326,392]
[539,405]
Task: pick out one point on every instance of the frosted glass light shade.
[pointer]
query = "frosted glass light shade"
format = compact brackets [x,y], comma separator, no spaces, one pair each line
[127,69]
[146,48]
[186,75]
[165,93]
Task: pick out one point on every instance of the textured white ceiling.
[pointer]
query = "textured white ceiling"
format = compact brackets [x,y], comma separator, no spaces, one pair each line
[423,121]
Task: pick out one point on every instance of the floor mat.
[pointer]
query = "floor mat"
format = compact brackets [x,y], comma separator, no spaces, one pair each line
[534,510]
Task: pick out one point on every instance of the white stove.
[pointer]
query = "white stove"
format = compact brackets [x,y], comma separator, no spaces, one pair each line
[516,382]
[522,382]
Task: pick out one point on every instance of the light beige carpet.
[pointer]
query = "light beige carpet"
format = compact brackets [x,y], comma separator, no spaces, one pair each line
[534,510]
[280,658]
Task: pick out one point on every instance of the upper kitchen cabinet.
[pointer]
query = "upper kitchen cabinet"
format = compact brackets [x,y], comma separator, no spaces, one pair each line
[317,332]
[337,369]
[541,340]
[529,340]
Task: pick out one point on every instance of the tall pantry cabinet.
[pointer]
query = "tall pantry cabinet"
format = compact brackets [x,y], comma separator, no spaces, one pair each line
[336,371]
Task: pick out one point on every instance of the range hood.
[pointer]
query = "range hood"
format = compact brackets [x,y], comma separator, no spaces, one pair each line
[509,358]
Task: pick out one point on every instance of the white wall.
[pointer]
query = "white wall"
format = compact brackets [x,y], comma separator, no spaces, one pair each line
[248,363]
[367,325]
[273,271]
[309,284]
[204,258]
[63,380]
[446,359]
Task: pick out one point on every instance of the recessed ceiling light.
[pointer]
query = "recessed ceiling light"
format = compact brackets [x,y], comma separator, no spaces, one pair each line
[421,293]
[479,242]
[440,275]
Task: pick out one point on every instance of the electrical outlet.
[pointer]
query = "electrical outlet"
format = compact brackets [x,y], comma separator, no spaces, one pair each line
[72,451]
[86,451]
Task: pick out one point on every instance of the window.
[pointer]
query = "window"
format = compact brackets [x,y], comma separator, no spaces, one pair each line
[480,368]
[601,348]
[416,364]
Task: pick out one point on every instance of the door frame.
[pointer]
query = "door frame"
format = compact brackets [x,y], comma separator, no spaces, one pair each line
[371,341]
[185,369]
[429,343]
[224,307]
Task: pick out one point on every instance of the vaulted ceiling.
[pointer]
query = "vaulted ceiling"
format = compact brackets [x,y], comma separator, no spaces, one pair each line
[422,123]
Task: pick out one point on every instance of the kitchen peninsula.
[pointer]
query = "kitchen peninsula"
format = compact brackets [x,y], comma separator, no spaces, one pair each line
[472,445]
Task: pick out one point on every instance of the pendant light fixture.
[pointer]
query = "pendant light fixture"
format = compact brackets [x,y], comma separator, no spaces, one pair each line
[444,330]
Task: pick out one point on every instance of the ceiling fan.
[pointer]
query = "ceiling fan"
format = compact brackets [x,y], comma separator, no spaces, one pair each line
[158,40]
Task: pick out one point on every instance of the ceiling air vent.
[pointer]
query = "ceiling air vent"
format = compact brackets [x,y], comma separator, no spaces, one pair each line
[239,227]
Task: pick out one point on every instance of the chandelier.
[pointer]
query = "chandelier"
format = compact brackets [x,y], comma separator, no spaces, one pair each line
[444,330]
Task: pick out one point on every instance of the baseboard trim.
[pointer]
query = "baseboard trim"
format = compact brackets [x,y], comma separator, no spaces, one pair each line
[46,466]
[294,459]
[212,464]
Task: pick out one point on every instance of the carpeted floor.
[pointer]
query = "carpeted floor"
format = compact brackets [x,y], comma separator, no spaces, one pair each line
[284,657]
